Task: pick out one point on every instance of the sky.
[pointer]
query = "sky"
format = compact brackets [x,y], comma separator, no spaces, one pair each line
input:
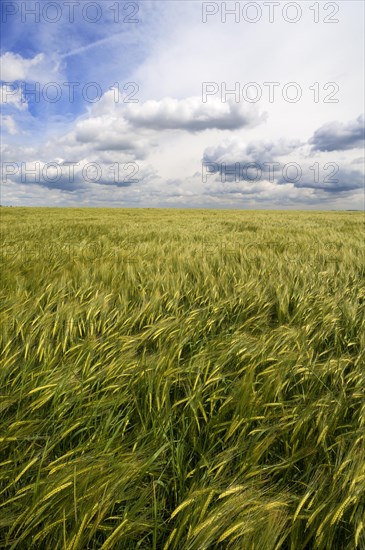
[188,104]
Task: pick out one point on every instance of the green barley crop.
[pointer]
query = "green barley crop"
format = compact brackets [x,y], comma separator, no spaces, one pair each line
[177,380]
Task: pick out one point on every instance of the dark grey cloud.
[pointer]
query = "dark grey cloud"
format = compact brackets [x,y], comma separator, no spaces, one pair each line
[64,176]
[339,136]
[260,155]
[253,163]
[342,180]
[233,150]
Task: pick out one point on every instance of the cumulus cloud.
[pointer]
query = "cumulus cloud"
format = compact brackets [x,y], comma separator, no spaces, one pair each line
[235,150]
[12,96]
[192,115]
[340,180]
[40,68]
[72,176]
[8,123]
[110,133]
[235,160]
[15,67]
[338,136]
[235,167]
[134,128]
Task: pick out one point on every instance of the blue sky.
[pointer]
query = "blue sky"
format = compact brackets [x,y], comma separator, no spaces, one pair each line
[144,65]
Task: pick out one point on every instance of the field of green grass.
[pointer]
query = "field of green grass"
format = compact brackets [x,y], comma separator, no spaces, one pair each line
[182,380]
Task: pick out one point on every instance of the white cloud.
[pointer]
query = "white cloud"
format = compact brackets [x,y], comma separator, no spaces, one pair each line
[40,68]
[13,97]
[134,130]
[192,114]
[9,123]
[235,150]
[14,67]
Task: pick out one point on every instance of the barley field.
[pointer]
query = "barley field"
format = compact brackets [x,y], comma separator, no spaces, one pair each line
[182,380]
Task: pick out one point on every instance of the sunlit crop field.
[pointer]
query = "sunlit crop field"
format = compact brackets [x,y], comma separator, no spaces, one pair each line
[182,379]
